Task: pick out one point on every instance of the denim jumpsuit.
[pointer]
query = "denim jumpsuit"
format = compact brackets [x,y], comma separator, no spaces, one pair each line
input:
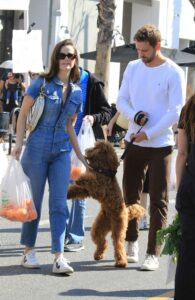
[47,156]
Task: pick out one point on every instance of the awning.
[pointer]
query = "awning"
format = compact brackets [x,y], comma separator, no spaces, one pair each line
[14,4]
[126,53]
[144,2]
[190,50]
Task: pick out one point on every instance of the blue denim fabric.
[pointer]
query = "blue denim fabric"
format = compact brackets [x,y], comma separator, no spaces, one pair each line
[47,156]
[55,114]
[76,229]
[14,94]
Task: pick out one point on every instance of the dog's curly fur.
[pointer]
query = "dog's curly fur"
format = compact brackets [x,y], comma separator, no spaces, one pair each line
[114,214]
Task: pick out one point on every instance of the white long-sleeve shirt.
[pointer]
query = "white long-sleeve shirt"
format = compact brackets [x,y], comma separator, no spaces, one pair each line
[160,91]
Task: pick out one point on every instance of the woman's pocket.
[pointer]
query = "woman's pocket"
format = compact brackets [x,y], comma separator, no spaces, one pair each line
[72,108]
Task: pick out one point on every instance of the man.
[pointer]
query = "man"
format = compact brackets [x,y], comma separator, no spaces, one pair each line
[152,94]
[98,111]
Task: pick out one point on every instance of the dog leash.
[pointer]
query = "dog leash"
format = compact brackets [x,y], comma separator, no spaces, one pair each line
[130,143]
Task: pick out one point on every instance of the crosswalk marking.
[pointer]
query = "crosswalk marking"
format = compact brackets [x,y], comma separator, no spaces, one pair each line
[165,296]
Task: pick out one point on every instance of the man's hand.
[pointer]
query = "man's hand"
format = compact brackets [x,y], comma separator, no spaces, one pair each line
[139,137]
[144,119]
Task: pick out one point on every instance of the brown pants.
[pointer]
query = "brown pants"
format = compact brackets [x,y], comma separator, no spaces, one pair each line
[157,161]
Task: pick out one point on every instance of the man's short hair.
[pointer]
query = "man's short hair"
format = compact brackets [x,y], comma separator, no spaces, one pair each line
[148,33]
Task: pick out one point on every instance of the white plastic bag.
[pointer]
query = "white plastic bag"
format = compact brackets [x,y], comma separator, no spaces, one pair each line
[171,270]
[4,163]
[172,184]
[86,139]
[16,203]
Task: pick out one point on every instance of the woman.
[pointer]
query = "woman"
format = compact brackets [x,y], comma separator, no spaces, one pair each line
[185,202]
[47,152]
[96,109]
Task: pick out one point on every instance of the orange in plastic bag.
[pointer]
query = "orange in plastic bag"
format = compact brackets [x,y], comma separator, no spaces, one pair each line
[75,172]
[23,213]
[16,203]
[86,139]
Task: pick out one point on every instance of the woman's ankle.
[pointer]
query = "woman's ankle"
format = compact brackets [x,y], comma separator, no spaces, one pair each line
[58,254]
[27,249]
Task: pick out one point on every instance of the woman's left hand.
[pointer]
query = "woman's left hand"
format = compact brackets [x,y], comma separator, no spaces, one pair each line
[89,118]
[85,163]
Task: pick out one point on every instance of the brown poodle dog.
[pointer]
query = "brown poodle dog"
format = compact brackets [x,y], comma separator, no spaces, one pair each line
[100,183]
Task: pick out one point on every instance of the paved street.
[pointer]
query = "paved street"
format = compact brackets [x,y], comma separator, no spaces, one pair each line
[91,280]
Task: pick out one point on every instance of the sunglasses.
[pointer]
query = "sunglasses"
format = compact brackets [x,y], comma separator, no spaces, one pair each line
[63,56]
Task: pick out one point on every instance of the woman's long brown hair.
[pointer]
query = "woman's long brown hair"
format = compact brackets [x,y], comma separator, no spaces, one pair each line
[189,118]
[54,62]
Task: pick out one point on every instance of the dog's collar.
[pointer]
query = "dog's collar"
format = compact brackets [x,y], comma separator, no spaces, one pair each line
[108,173]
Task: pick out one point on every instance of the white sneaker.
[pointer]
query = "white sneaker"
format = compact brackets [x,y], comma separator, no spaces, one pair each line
[73,247]
[61,266]
[132,252]
[150,263]
[143,224]
[30,261]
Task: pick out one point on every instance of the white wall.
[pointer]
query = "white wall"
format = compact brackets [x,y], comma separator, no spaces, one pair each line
[39,12]
[115,67]
[143,14]
[169,22]
[187,23]
[82,22]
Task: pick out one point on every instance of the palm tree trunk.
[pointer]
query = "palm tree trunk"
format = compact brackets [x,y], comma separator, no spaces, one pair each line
[105,23]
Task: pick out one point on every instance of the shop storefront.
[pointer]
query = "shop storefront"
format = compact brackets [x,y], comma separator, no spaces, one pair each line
[13,15]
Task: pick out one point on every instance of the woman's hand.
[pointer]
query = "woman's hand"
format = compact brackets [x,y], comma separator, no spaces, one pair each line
[111,123]
[109,128]
[17,151]
[89,118]
[84,162]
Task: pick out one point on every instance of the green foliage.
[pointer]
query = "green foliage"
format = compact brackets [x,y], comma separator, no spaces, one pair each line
[170,237]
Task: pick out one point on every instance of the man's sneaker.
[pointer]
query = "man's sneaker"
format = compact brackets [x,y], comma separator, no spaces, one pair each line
[61,265]
[73,247]
[132,252]
[150,263]
[143,223]
[30,261]
[7,101]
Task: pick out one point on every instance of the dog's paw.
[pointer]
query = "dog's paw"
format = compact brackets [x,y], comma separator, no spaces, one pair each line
[71,192]
[98,255]
[135,211]
[122,263]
